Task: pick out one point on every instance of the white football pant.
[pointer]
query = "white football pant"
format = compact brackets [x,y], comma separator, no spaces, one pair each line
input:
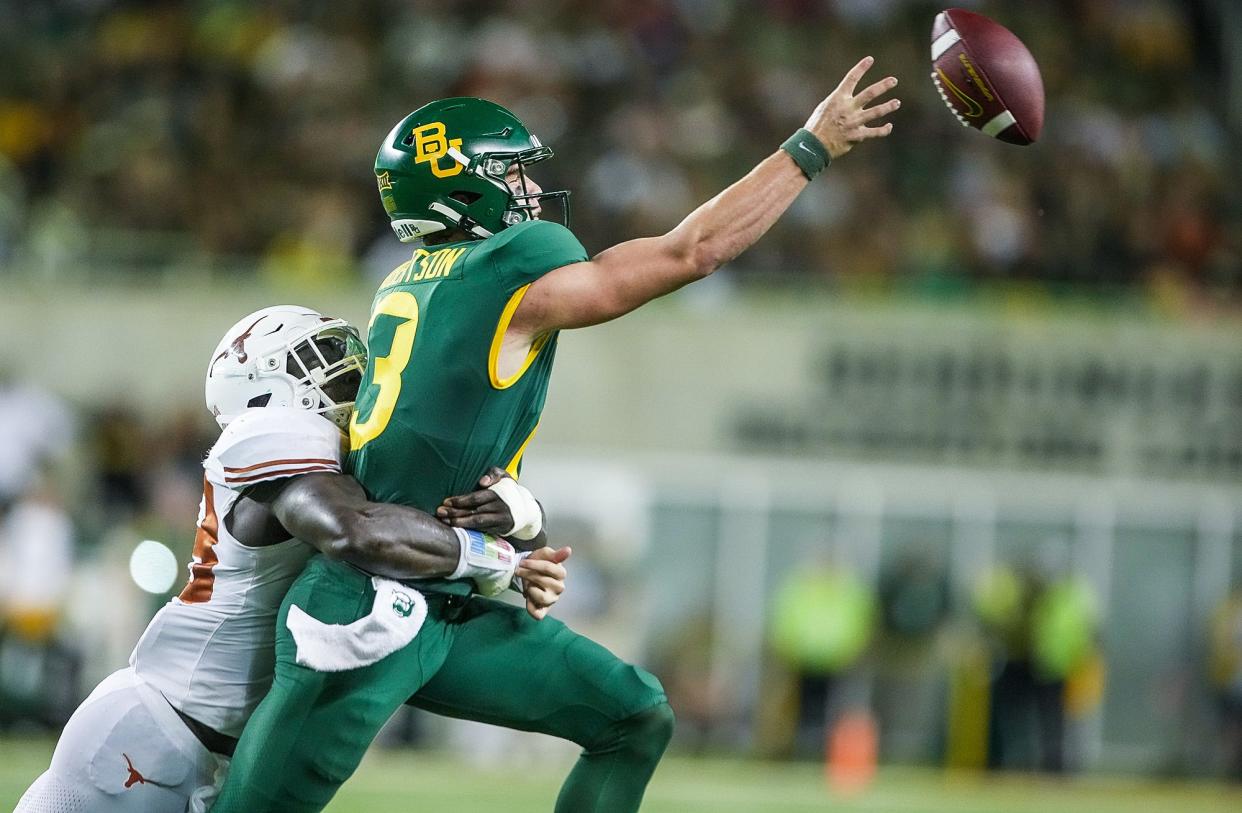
[125,750]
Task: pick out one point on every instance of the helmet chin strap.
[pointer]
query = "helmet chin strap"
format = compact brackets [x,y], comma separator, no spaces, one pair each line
[458,220]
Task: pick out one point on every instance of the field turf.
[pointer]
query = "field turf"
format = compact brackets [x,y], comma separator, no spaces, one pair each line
[394,781]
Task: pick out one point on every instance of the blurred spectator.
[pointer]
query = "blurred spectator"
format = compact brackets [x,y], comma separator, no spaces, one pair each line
[238,130]
[1226,675]
[821,622]
[121,450]
[911,656]
[1042,633]
[914,597]
[35,428]
[184,441]
[38,674]
[36,547]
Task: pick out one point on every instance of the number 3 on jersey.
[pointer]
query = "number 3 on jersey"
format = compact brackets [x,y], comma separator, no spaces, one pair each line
[385,386]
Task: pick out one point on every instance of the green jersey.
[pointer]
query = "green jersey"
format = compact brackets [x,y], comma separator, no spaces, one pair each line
[433,413]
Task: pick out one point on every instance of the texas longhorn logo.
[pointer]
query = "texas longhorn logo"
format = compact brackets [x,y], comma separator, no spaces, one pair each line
[136,778]
[431,144]
[237,348]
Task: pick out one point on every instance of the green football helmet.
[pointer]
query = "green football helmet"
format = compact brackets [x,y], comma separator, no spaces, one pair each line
[445,166]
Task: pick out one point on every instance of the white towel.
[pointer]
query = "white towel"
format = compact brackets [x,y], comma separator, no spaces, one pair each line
[204,796]
[395,618]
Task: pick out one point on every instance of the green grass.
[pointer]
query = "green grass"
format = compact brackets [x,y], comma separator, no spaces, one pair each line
[394,781]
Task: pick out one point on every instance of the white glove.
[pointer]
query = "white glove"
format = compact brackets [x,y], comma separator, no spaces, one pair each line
[527,515]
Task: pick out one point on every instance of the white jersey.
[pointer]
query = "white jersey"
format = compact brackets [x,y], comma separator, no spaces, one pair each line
[210,650]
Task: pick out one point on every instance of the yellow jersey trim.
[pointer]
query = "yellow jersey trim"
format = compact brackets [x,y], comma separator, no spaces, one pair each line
[516,462]
[498,340]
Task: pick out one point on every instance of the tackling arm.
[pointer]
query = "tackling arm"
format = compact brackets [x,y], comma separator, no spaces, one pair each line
[631,274]
[331,512]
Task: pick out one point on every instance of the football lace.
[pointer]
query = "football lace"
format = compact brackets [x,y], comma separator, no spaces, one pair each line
[948,104]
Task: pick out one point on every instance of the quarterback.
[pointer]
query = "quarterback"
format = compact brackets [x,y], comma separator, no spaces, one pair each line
[461,342]
[154,737]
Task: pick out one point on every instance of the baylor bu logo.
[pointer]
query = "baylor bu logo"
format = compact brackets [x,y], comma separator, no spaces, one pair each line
[402,605]
[431,145]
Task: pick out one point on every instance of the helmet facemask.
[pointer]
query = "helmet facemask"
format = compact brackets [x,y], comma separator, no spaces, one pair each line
[523,205]
[328,364]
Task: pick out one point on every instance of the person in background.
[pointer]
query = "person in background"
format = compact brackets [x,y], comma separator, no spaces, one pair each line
[1226,675]
[1041,632]
[821,623]
[36,428]
[121,447]
[38,673]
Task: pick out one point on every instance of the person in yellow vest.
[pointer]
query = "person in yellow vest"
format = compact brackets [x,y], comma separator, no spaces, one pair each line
[821,622]
[1042,634]
[1226,674]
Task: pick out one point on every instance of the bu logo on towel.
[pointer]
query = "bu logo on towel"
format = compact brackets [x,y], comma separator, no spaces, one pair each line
[402,604]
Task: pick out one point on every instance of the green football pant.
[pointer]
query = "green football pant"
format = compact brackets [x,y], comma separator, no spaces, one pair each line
[475,659]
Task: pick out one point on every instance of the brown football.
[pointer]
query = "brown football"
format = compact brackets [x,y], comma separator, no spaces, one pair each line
[987,77]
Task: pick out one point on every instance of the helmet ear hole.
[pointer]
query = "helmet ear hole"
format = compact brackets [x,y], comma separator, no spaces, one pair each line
[259,400]
[465,197]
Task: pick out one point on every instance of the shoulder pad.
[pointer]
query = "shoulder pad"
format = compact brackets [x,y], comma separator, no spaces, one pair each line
[268,443]
[525,252]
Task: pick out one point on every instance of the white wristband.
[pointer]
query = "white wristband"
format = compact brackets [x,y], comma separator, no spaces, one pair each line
[488,560]
[527,515]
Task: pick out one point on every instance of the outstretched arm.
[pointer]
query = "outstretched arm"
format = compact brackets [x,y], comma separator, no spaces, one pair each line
[331,512]
[631,274]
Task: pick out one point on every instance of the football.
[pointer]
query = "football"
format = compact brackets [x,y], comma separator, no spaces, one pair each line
[987,77]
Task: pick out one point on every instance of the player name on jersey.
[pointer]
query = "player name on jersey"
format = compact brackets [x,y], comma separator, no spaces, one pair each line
[427,266]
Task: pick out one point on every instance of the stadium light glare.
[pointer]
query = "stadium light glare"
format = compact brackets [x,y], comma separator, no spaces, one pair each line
[153,567]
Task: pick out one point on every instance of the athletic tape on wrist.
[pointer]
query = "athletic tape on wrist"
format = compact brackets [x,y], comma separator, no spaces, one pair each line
[487,560]
[527,515]
[808,152]
[482,555]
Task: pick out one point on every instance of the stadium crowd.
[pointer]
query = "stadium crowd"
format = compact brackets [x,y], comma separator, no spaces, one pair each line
[245,132]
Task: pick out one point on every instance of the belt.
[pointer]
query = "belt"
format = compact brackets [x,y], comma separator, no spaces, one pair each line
[212,740]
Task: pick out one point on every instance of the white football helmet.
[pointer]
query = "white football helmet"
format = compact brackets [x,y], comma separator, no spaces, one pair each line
[288,356]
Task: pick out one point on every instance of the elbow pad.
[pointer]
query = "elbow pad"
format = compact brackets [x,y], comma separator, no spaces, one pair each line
[527,513]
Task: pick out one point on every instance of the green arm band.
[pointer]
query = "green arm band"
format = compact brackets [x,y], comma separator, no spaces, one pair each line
[808,152]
